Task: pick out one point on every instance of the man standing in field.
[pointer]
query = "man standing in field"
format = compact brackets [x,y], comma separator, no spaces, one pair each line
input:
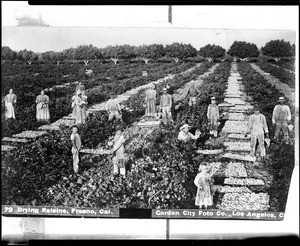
[113,108]
[10,101]
[257,126]
[192,95]
[281,118]
[76,146]
[166,104]
[213,117]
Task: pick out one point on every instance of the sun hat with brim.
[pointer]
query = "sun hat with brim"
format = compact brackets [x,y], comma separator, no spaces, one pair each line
[164,89]
[281,99]
[184,126]
[213,98]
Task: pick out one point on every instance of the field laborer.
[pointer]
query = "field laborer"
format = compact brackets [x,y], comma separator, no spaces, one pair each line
[185,135]
[78,106]
[80,87]
[166,104]
[150,98]
[281,118]
[113,108]
[192,95]
[10,102]
[118,151]
[76,146]
[213,117]
[203,183]
[257,126]
[42,107]
[170,91]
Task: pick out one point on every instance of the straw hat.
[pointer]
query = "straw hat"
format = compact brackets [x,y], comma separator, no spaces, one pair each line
[184,126]
[281,99]
[213,98]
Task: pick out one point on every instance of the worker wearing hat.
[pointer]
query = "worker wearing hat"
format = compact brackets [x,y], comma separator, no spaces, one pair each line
[257,127]
[281,118]
[185,135]
[213,117]
[166,104]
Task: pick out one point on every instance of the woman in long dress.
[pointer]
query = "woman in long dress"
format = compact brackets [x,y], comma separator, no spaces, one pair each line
[78,105]
[42,107]
[213,117]
[203,183]
[10,101]
[150,101]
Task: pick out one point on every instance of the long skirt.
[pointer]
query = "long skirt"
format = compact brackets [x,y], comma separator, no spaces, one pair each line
[80,115]
[203,197]
[42,114]
[75,153]
[150,108]
[10,112]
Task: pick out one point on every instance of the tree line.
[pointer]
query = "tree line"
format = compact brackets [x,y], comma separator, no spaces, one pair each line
[176,51]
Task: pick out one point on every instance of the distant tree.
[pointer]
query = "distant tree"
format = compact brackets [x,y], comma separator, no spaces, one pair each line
[243,50]
[87,53]
[115,53]
[7,54]
[69,54]
[180,51]
[27,56]
[52,56]
[278,49]
[152,51]
[212,51]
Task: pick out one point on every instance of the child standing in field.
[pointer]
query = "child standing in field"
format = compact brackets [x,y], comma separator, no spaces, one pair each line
[118,151]
[203,183]
[76,146]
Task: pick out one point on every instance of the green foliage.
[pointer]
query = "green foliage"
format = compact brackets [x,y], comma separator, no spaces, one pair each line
[284,76]
[278,48]
[280,161]
[180,50]
[242,49]
[213,51]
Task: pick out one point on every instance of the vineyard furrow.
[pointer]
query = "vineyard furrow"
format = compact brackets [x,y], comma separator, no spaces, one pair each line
[282,87]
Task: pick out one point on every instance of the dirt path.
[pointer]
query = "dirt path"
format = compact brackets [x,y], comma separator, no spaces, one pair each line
[290,71]
[238,184]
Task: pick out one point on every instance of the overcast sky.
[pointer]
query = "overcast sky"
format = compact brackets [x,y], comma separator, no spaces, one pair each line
[71,26]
